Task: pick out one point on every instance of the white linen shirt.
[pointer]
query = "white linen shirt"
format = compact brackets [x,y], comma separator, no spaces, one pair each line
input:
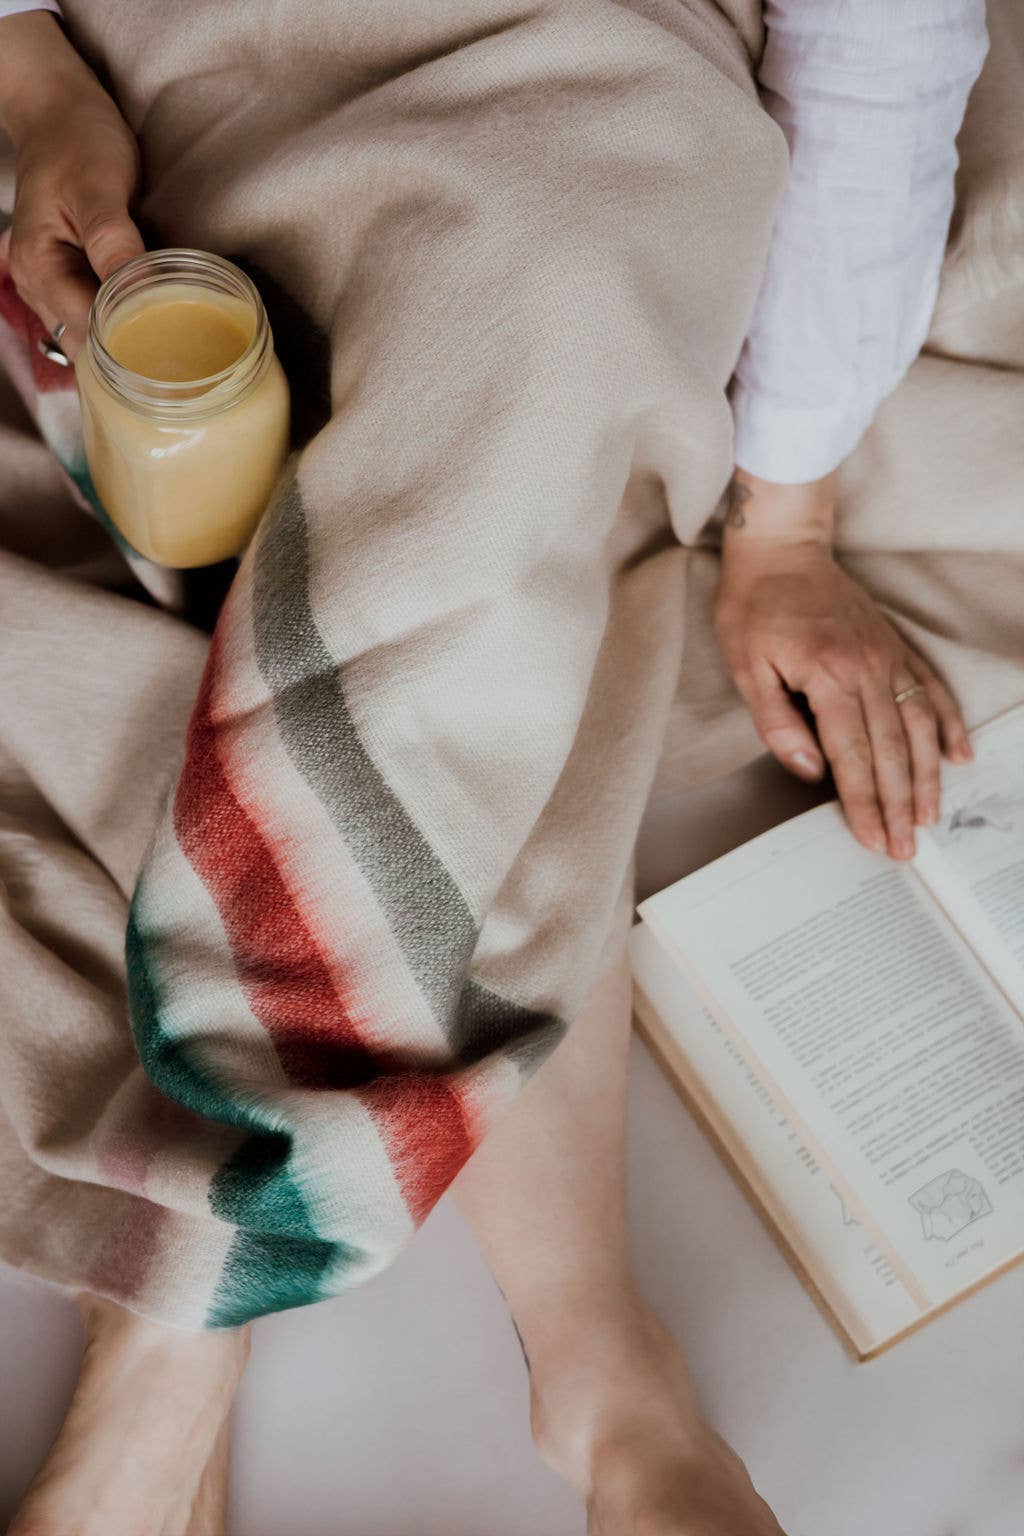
[870,95]
[15,7]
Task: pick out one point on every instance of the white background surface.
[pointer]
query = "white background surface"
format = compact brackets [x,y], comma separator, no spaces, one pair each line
[401,1410]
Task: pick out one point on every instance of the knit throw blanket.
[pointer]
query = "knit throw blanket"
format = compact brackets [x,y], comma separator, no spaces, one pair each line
[290,916]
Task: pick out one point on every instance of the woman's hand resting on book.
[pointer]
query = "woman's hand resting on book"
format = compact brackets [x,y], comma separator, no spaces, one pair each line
[76,172]
[790,621]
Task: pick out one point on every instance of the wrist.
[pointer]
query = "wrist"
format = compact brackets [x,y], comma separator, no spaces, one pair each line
[39,69]
[766,510]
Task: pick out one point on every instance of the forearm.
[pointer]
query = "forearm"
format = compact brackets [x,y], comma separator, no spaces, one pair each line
[37,67]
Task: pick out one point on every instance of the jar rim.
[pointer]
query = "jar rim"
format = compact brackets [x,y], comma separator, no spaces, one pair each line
[169,399]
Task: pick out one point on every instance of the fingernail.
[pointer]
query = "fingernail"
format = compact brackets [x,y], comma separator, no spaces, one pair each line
[903,847]
[807,764]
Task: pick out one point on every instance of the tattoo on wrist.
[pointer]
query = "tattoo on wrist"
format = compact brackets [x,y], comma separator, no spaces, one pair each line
[736,498]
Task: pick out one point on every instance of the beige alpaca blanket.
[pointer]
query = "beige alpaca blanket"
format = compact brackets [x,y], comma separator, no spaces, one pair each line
[363,853]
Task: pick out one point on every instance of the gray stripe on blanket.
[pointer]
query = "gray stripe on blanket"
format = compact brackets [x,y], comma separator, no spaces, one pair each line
[428,913]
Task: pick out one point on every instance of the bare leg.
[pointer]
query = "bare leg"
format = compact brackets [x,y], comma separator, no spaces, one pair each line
[613,1410]
[210,1506]
[143,1449]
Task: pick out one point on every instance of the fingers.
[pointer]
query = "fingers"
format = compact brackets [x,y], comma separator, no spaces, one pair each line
[921,729]
[886,756]
[844,736]
[955,741]
[779,723]
[928,720]
[905,757]
[51,279]
[55,266]
[866,746]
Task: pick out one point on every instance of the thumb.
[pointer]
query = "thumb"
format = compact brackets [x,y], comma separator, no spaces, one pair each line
[780,725]
[110,239]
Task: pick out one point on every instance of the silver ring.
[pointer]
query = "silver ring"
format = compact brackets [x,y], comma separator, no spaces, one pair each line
[51,348]
[908,693]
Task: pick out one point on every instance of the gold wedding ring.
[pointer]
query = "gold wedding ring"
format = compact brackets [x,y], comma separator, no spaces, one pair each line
[908,693]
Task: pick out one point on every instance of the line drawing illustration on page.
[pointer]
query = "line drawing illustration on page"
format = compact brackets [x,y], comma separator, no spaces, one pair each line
[949,1203]
[993,813]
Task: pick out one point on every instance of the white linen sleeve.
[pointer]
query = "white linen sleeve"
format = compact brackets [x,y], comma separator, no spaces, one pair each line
[15,7]
[870,95]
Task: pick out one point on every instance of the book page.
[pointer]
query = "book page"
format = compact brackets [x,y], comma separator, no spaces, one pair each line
[973,860]
[872,1022]
[829,1239]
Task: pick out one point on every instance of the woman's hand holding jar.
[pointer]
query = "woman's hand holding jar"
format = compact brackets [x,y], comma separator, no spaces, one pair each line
[184,404]
[77,171]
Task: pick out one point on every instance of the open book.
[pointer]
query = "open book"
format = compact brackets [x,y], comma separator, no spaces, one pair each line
[851,1031]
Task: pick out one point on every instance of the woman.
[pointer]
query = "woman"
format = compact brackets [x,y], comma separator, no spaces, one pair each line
[843,307]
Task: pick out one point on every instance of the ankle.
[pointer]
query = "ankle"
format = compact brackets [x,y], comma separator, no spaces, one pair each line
[611,1380]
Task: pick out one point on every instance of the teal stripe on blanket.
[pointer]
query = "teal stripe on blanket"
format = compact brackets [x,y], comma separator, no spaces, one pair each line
[79,473]
[277,1259]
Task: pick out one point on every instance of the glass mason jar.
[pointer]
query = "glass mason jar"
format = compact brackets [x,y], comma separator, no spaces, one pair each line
[184,465]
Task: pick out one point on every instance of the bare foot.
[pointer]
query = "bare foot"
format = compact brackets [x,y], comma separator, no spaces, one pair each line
[144,1424]
[616,1416]
[643,1489]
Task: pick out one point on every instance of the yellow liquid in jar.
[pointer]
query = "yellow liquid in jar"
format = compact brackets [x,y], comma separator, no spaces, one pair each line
[178,340]
[184,493]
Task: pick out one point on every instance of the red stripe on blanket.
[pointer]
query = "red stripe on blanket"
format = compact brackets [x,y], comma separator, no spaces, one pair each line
[47,376]
[286,983]
[289,987]
[424,1126]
